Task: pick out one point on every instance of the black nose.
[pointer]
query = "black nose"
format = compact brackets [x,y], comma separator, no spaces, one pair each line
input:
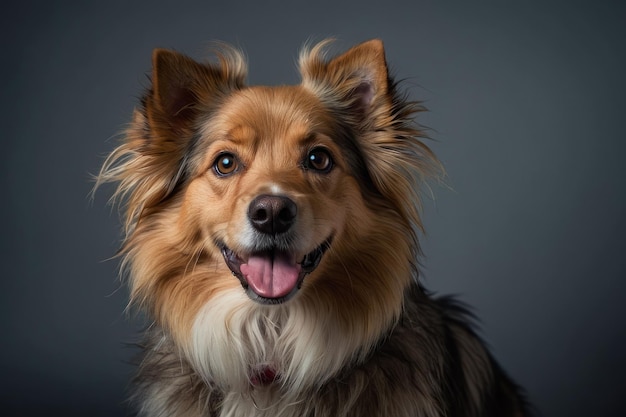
[272,214]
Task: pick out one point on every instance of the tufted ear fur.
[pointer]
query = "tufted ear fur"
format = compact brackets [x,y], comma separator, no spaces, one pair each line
[355,83]
[182,88]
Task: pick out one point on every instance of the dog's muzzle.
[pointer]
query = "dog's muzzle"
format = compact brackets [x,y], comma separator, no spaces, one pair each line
[272,275]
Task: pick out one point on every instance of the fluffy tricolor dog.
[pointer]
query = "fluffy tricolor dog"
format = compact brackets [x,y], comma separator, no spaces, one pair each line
[271,237]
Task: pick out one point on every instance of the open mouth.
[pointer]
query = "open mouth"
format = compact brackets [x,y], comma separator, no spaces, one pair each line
[272,276]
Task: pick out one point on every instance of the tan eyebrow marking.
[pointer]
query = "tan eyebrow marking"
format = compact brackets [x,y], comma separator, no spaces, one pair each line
[241,134]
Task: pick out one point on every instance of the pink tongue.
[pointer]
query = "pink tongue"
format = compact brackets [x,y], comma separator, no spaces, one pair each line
[271,277]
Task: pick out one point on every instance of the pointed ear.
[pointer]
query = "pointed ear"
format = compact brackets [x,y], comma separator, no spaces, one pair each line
[174,77]
[182,88]
[355,82]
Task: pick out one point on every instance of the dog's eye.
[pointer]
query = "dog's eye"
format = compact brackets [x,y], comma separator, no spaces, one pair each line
[225,164]
[319,159]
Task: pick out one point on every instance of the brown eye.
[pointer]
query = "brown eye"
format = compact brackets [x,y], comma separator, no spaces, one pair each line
[319,159]
[225,164]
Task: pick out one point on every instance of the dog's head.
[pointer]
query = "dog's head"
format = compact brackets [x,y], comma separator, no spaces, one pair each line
[282,212]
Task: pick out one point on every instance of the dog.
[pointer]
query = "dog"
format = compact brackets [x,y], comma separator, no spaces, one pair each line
[271,236]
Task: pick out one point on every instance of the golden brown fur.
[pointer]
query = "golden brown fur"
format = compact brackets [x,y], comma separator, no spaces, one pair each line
[355,336]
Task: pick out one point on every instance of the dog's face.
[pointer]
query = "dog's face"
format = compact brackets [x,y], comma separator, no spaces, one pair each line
[267,225]
[273,190]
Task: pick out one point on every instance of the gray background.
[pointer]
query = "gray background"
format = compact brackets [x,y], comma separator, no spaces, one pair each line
[527,107]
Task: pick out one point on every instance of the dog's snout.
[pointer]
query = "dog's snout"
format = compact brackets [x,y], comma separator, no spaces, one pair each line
[272,214]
